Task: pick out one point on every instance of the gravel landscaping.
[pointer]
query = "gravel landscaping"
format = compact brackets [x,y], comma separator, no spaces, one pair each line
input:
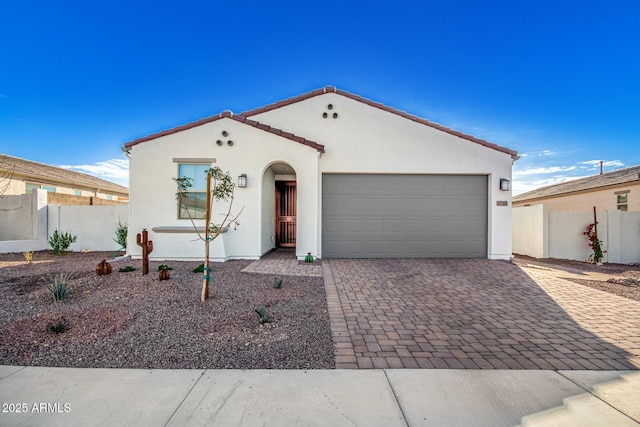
[616,286]
[127,320]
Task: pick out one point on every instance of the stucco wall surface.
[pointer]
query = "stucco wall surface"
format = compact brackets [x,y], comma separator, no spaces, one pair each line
[361,139]
[541,233]
[365,139]
[94,225]
[152,189]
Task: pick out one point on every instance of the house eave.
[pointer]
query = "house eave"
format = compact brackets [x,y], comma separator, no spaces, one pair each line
[576,192]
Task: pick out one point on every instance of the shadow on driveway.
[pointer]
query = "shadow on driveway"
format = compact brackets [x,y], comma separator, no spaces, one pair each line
[474,314]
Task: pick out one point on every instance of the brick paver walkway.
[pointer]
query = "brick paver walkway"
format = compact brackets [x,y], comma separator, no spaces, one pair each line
[474,314]
[283,262]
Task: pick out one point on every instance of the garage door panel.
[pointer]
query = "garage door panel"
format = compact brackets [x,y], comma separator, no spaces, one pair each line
[391,216]
[375,203]
[353,225]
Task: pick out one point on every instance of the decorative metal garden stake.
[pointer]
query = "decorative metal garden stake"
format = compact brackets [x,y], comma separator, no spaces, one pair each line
[103,268]
[147,247]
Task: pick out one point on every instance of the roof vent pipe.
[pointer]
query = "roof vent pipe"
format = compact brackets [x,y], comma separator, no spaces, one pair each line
[601,167]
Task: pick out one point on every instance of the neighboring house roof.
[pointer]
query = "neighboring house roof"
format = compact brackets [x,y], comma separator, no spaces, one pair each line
[243,117]
[582,185]
[42,173]
[226,114]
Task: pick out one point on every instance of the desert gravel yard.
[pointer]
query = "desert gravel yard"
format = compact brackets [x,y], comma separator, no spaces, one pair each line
[127,320]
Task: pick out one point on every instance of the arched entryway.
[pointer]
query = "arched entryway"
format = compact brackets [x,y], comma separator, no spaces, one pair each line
[279,207]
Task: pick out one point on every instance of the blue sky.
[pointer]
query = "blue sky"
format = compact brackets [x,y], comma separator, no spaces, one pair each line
[557,81]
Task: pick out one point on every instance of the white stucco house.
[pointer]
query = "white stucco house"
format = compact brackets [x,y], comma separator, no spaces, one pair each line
[331,173]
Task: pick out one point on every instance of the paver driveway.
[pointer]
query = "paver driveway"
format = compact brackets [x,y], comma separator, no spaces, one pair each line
[474,314]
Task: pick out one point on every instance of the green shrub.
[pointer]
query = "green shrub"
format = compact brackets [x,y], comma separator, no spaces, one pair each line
[277,283]
[59,326]
[60,286]
[122,229]
[60,242]
[127,269]
[199,269]
[263,316]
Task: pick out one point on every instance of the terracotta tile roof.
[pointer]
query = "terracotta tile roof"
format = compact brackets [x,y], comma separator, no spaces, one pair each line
[630,175]
[244,117]
[47,174]
[229,115]
[333,89]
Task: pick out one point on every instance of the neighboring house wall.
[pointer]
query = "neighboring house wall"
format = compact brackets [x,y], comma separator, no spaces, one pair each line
[18,185]
[606,199]
[541,233]
[28,228]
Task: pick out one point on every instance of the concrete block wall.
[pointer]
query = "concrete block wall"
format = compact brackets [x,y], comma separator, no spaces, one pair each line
[94,225]
[540,233]
[73,200]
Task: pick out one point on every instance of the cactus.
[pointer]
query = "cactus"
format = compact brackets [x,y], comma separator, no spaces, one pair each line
[147,247]
[308,258]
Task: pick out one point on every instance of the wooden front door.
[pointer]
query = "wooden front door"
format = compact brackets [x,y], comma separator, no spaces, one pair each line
[286,214]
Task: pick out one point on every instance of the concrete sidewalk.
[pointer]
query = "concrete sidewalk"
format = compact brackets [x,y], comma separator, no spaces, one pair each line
[119,397]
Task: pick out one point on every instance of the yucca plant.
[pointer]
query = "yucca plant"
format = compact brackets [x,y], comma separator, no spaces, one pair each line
[60,286]
[277,283]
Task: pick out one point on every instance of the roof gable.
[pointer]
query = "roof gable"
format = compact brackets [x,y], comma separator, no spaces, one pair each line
[404,114]
[630,175]
[244,117]
[229,115]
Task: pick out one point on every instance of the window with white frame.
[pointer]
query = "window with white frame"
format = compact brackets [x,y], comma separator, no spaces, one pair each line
[29,187]
[193,203]
[623,201]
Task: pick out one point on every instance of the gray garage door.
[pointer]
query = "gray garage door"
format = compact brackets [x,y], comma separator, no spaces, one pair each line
[404,216]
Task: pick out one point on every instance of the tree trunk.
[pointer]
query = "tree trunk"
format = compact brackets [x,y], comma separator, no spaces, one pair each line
[207,270]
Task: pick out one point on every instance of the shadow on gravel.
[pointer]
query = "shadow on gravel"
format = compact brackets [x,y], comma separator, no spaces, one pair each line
[479,314]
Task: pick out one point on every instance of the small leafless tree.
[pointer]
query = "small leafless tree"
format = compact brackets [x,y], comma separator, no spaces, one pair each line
[6,174]
[220,188]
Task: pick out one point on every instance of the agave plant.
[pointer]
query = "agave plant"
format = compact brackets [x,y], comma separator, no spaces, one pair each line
[60,286]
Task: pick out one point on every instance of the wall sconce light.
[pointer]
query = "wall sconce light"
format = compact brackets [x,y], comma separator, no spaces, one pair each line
[505,184]
[242,180]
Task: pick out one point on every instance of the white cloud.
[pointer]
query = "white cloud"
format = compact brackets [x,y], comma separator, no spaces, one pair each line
[543,171]
[606,163]
[520,187]
[114,170]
